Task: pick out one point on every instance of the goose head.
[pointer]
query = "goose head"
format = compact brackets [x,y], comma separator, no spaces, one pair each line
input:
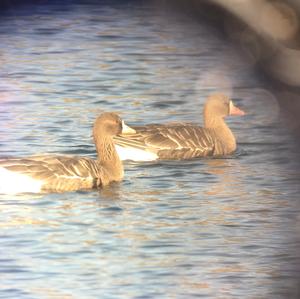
[218,106]
[110,124]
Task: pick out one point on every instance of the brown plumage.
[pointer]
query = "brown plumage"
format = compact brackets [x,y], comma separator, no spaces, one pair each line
[66,173]
[186,141]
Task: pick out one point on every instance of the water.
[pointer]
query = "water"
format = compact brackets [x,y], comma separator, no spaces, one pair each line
[211,228]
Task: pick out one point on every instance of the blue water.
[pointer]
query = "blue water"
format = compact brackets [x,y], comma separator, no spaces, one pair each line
[210,228]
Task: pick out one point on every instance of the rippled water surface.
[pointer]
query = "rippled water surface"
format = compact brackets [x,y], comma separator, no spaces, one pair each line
[211,228]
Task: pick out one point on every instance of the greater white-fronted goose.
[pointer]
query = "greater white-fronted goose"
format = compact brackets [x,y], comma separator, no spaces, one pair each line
[181,140]
[48,173]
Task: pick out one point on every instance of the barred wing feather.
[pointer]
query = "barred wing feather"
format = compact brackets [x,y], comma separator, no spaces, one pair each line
[57,173]
[173,141]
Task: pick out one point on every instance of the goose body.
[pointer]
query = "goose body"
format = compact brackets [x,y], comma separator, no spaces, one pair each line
[183,140]
[48,173]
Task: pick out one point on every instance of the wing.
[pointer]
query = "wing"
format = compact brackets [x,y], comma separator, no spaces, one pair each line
[175,141]
[58,173]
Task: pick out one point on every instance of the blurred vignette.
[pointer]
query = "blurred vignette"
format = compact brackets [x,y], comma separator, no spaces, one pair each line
[266,32]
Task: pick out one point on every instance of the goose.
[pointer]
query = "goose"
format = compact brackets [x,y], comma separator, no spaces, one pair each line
[177,141]
[58,173]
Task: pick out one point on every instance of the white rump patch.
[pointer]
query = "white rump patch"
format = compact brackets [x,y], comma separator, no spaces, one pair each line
[13,183]
[135,154]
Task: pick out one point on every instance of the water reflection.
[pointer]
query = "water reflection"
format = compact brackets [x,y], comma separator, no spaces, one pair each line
[229,183]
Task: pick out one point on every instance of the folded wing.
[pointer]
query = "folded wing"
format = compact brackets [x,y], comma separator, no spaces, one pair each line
[57,173]
[172,141]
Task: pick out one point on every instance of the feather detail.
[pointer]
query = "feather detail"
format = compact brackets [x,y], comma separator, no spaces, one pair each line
[175,142]
[185,140]
[48,173]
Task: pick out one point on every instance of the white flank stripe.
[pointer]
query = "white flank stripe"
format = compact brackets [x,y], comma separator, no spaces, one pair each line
[135,154]
[13,183]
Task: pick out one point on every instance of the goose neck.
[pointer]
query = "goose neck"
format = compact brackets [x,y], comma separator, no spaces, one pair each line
[108,157]
[222,132]
[212,122]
